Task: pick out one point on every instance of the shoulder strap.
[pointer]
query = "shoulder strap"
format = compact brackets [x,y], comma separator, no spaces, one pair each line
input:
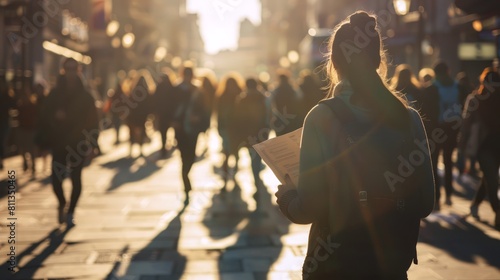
[339,109]
[343,114]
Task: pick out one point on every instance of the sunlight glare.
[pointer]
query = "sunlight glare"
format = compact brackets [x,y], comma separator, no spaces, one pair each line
[219,21]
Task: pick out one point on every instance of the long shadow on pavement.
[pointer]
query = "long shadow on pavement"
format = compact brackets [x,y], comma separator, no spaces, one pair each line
[459,238]
[253,251]
[44,181]
[226,211]
[28,270]
[467,185]
[125,175]
[160,259]
[223,217]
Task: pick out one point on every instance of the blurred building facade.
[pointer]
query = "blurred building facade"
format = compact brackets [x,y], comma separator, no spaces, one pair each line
[480,38]
[145,34]
[431,31]
[105,36]
[265,47]
[284,25]
[111,35]
[250,58]
[40,34]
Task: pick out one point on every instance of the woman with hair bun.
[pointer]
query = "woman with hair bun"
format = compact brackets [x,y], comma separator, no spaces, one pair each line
[366,176]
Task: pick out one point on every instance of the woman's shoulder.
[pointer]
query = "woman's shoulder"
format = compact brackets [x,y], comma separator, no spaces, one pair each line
[319,112]
[321,116]
[414,115]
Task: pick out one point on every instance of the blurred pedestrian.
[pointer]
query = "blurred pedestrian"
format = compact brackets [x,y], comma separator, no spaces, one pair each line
[465,85]
[165,105]
[429,102]
[115,96]
[68,126]
[249,125]
[426,76]
[405,82]
[7,102]
[27,116]
[463,157]
[285,105]
[311,93]
[99,105]
[189,121]
[208,92]
[485,107]
[468,138]
[143,87]
[363,225]
[229,90]
[40,92]
[450,118]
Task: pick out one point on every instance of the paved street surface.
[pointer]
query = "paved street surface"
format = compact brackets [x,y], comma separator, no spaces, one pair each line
[132,223]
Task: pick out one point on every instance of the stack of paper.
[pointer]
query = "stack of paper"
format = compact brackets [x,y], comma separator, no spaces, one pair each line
[282,155]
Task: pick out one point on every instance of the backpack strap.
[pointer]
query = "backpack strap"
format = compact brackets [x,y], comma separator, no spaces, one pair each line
[348,123]
[349,126]
[344,115]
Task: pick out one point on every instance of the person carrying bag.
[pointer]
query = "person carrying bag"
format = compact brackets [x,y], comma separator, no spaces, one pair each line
[366,175]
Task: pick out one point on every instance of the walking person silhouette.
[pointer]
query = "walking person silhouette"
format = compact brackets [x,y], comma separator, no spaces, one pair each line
[67,120]
[189,121]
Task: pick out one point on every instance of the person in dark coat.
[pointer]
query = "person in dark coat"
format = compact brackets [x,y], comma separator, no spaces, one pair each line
[189,122]
[451,102]
[27,107]
[208,92]
[165,107]
[229,90]
[69,126]
[40,91]
[485,109]
[285,106]
[7,102]
[428,103]
[249,125]
[311,93]
[467,88]
[141,93]
[115,96]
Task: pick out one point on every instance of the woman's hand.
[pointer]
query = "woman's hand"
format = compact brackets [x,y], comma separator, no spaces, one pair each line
[282,189]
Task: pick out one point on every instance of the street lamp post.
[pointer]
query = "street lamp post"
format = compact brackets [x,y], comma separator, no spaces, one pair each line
[420,35]
[402,8]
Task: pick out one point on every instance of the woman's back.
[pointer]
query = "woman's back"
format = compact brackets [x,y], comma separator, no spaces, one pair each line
[359,185]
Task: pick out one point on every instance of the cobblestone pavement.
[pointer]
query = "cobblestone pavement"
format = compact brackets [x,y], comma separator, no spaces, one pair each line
[132,223]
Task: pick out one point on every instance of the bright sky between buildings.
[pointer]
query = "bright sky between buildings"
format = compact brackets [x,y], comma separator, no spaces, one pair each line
[219,21]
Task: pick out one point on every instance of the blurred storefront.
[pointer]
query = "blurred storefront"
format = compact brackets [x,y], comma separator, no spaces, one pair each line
[421,32]
[66,35]
[481,45]
[39,35]
[145,34]
[36,37]
[20,39]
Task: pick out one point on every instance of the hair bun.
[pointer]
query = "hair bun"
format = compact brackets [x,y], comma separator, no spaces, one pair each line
[362,20]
